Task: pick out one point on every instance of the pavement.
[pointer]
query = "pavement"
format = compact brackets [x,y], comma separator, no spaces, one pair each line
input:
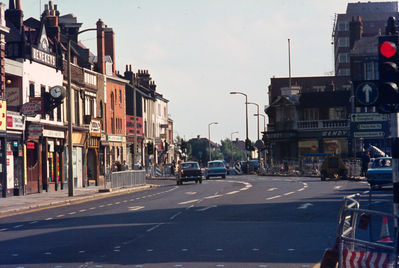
[21,204]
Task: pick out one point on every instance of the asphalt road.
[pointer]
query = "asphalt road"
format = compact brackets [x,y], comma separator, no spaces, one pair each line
[241,221]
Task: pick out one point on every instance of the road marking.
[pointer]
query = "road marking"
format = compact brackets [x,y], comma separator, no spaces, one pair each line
[2,230]
[255,249]
[300,190]
[81,251]
[101,206]
[155,227]
[18,226]
[135,208]
[191,193]
[15,255]
[291,249]
[219,265]
[174,216]
[82,210]
[71,213]
[233,192]
[206,208]
[188,202]
[92,208]
[117,203]
[49,219]
[47,253]
[184,249]
[219,249]
[305,206]
[289,193]
[274,197]
[271,189]
[33,222]
[150,250]
[61,215]
[212,196]
[337,187]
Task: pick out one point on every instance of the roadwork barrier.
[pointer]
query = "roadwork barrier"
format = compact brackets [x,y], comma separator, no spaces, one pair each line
[125,179]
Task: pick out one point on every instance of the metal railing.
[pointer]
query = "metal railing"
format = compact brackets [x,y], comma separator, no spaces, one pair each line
[125,179]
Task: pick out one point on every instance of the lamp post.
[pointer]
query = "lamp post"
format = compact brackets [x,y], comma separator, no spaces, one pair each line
[264,121]
[232,161]
[69,112]
[209,139]
[257,106]
[246,110]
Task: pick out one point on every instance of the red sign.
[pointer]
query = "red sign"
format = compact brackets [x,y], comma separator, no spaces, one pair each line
[30,145]
[130,125]
[9,121]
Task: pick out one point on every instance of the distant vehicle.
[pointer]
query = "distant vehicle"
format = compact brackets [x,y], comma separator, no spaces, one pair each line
[380,171]
[216,168]
[189,171]
[252,164]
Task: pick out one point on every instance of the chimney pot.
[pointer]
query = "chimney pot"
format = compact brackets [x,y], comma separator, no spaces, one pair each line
[45,7]
[55,7]
[130,67]
[50,3]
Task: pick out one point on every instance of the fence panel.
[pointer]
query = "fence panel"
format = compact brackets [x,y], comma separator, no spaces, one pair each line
[128,178]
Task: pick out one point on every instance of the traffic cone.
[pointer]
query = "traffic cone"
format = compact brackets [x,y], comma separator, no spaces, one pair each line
[384,235]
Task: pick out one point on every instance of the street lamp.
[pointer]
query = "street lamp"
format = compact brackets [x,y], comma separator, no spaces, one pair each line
[232,161]
[209,139]
[246,110]
[264,121]
[69,113]
[257,105]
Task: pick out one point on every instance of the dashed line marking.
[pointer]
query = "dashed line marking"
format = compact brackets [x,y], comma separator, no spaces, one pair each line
[83,210]
[233,192]
[271,189]
[18,226]
[174,216]
[101,206]
[213,196]
[290,193]
[2,230]
[273,197]
[206,208]
[47,253]
[72,213]
[135,208]
[60,216]
[33,222]
[49,219]
[92,208]
[189,202]
[155,227]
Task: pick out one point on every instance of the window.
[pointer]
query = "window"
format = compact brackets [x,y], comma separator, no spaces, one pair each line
[112,125]
[59,113]
[370,70]
[343,42]
[112,101]
[310,114]
[343,26]
[31,90]
[77,113]
[337,113]
[91,107]
[42,91]
[343,58]
[344,72]
[120,96]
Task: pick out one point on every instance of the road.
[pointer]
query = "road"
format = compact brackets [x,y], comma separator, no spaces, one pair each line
[241,221]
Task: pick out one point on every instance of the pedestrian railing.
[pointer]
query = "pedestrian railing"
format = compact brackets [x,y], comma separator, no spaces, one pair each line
[128,178]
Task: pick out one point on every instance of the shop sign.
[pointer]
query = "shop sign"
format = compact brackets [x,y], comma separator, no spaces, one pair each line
[3,115]
[103,137]
[335,133]
[95,128]
[15,121]
[53,134]
[35,130]
[31,108]
[43,57]
[30,145]
[113,138]
[13,96]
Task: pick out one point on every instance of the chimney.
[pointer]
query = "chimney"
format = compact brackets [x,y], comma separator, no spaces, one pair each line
[144,78]
[355,30]
[100,47]
[51,19]
[14,15]
[110,46]
[129,75]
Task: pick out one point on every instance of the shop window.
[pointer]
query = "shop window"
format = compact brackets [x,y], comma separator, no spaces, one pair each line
[31,90]
[77,113]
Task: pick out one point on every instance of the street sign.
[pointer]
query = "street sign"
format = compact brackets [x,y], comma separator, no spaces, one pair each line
[260,145]
[370,125]
[367,93]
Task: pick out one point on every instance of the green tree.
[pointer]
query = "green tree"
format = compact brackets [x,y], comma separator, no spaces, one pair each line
[227,148]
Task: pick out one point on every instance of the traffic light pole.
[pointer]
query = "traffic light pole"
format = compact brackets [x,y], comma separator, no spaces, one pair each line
[395,165]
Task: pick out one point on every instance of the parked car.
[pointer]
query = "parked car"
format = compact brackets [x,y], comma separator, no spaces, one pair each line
[216,168]
[189,171]
[380,171]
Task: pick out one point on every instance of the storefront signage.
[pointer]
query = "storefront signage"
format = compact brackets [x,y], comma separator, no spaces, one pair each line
[3,115]
[43,57]
[35,130]
[53,134]
[113,138]
[15,121]
[13,96]
[95,128]
[30,145]
[31,108]
[282,135]
[335,133]
[130,125]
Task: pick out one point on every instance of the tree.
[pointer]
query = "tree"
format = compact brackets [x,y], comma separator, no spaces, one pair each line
[228,147]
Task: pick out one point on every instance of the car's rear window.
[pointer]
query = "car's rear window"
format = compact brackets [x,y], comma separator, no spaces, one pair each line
[189,165]
[378,163]
[215,164]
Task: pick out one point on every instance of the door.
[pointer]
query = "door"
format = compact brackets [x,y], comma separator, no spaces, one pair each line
[33,168]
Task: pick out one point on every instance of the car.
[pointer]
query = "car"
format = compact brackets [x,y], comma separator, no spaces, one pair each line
[189,171]
[380,172]
[216,168]
[252,164]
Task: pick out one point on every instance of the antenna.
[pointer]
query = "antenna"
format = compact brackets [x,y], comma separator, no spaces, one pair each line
[40,8]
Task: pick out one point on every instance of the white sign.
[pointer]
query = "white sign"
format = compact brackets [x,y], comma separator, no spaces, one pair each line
[43,57]
[15,121]
[369,117]
[369,134]
[369,126]
[53,134]
[116,138]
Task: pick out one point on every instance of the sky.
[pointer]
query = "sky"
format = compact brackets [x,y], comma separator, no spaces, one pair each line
[197,51]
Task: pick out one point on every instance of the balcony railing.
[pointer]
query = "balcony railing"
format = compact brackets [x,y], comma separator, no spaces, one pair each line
[323,124]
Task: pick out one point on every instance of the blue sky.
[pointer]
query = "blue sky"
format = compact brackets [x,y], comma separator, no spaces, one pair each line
[197,51]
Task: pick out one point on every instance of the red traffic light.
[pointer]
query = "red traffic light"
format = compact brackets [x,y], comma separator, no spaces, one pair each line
[388,49]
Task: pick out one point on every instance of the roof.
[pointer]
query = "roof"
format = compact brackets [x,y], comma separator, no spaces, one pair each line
[360,8]
[366,45]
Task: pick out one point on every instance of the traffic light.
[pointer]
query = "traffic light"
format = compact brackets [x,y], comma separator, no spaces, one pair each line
[388,63]
[248,145]
[131,149]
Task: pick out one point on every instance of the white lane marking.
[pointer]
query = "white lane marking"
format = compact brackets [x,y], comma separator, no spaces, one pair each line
[219,249]
[82,210]
[184,249]
[33,222]
[300,190]
[2,230]
[150,250]
[81,251]
[15,255]
[213,196]
[178,265]
[18,226]
[191,193]
[255,249]
[305,206]
[219,265]
[233,192]
[291,249]
[135,208]
[174,216]
[189,202]
[49,219]
[92,208]
[271,189]
[117,203]
[289,193]
[101,206]
[337,187]
[206,208]
[60,216]
[273,197]
[155,227]
[47,253]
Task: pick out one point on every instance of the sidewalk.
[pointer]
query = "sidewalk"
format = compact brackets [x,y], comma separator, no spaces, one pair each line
[18,204]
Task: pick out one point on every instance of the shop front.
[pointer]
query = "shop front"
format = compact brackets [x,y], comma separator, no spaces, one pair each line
[117,149]
[79,159]
[53,160]
[33,157]
[15,153]
[93,148]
